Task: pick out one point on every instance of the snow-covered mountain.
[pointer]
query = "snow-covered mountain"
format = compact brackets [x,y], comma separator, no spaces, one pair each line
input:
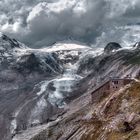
[37,85]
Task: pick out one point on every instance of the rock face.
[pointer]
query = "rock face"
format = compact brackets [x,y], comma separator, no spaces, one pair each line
[137,45]
[12,42]
[112,46]
[28,63]
[121,63]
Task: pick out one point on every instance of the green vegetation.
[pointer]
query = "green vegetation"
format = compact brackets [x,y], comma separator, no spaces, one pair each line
[133,58]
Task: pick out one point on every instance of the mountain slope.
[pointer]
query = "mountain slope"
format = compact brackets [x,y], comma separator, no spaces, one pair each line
[106,118]
[51,87]
[114,117]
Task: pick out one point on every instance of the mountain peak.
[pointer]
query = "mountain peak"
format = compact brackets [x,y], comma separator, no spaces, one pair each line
[68,45]
[112,46]
[12,42]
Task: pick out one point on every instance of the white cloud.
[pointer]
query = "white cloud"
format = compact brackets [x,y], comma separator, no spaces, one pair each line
[35,11]
[41,22]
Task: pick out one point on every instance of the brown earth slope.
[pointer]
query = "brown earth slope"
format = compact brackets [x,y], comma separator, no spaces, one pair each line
[114,117]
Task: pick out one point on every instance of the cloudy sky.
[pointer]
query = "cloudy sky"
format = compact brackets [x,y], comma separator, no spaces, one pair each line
[39,23]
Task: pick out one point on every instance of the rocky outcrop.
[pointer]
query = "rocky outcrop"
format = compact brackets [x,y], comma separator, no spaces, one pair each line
[28,63]
[12,42]
[112,46]
[18,57]
[121,63]
[137,45]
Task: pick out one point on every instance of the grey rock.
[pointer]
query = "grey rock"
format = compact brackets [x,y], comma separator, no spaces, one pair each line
[112,46]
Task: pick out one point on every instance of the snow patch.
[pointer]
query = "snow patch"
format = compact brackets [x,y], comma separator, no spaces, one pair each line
[42,87]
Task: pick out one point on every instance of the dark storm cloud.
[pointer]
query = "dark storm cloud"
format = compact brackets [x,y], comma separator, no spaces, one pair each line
[42,22]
